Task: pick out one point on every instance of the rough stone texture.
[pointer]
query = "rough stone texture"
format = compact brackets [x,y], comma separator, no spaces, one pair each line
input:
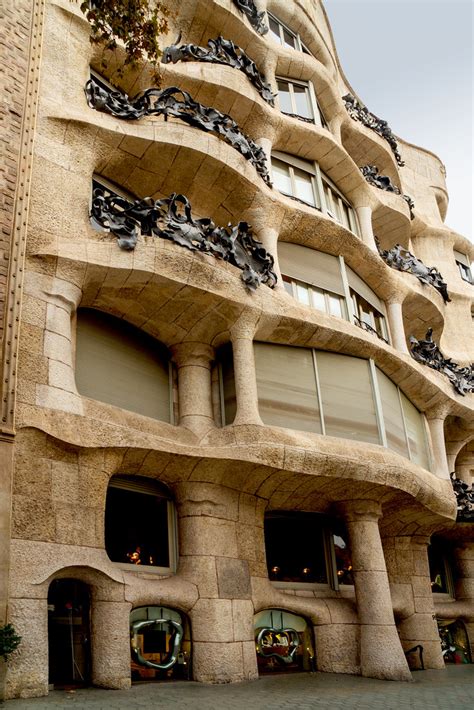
[67,446]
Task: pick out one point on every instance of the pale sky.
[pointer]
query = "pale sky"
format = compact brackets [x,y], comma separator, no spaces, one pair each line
[411,63]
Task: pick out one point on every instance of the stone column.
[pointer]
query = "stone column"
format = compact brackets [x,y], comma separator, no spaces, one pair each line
[381,654]
[110,644]
[365,223]
[409,574]
[464,584]
[194,361]
[244,374]
[397,329]
[436,426]
[223,645]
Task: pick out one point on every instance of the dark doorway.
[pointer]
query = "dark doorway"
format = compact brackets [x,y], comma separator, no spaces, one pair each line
[69,633]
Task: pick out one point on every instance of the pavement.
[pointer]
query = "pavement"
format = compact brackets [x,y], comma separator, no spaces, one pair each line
[450,689]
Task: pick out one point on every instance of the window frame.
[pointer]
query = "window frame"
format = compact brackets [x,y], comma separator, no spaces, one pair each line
[300,46]
[318,118]
[465,272]
[318,181]
[294,283]
[329,560]
[172,524]
[378,406]
[449,594]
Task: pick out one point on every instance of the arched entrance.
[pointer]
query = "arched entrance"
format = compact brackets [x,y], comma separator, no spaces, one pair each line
[284,642]
[69,633]
[160,644]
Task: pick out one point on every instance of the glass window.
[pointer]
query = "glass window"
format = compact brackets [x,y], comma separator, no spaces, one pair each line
[343,558]
[284,96]
[295,548]
[392,415]
[347,398]
[281,176]
[438,569]
[119,364]
[465,272]
[367,317]
[304,187]
[283,35]
[286,384]
[138,521]
[302,101]
[274,26]
[415,427]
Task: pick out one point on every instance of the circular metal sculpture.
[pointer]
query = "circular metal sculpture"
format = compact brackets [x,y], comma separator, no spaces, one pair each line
[175,641]
[280,643]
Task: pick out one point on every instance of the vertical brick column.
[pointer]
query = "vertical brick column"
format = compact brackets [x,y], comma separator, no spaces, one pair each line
[222,618]
[381,654]
[409,575]
[194,361]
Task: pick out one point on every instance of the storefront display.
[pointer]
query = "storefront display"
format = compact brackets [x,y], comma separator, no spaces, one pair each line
[283,642]
[160,644]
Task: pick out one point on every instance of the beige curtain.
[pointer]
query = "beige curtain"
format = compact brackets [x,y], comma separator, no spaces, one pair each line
[347,397]
[286,385]
[392,415]
[311,266]
[416,433]
[119,364]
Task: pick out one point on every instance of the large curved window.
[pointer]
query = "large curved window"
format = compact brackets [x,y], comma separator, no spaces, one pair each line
[304,181]
[140,525]
[119,364]
[337,395]
[281,33]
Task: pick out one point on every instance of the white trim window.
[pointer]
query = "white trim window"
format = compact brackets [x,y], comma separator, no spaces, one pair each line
[331,303]
[298,99]
[464,266]
[281,33]
[304,181]
[368,318]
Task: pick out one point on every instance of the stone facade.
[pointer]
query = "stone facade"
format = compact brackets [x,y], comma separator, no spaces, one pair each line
[60,449]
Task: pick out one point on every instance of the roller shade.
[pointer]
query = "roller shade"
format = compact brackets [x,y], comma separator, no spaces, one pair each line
[360,287]
[311,266]
[462,258]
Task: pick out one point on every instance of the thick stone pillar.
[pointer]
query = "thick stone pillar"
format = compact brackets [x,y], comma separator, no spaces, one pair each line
[464,592]
[409,575]
[194,361]
[381,654]
[244,374]
[397,329]
[222,619]
[364,215]
[436,425]
[110,644]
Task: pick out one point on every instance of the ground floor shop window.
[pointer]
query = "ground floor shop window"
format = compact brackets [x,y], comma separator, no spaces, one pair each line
[283,641]
[140,524]
[307,548]
[454,641]
[160,644]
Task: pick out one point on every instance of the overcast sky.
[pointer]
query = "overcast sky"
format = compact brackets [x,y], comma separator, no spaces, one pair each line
[411,63]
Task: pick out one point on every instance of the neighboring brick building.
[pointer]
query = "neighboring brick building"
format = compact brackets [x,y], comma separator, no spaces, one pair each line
[220,457]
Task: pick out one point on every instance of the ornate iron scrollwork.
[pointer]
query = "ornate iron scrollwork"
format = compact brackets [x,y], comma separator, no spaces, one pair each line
[171,218]
[359,112]
[300,118]
[383,182]
[403,260]
[256,18]
[175,641]
[221,51]
[465,500]
[179,104]
[427,352]
[366,326]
